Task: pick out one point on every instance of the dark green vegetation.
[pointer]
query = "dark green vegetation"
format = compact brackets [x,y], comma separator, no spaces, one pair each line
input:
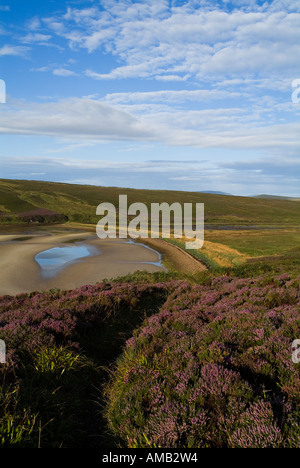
[79,203]
[286,261]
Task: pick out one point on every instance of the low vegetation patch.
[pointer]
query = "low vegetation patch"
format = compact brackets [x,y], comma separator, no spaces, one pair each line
[57,344]
[213,369]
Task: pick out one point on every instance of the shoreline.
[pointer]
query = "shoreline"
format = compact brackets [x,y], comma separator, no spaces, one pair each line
[178,258]
[20,272]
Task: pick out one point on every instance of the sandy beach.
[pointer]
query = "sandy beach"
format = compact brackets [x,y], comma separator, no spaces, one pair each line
[20,273]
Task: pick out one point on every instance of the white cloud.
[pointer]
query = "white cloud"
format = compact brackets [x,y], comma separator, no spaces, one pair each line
[171,77]
[79,118]
[173,96]
[251,176]
[40,69]
[226,70]
[87,119]
[63,148]
[63,72]
[35,37]
[33,24]
[13,50]
[153,40]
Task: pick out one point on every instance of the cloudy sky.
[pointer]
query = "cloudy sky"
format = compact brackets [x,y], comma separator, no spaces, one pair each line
[155,94]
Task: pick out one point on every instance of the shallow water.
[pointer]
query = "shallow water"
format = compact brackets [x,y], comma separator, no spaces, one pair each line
[158,263]
[53,260]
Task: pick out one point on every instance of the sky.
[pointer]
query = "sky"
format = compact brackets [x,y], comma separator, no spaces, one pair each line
[192,95]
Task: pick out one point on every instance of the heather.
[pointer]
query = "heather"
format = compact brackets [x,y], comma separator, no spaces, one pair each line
[58,347]
[156,360]
[212,369]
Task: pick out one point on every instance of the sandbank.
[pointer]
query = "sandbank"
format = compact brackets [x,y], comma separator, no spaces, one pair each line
[20,273]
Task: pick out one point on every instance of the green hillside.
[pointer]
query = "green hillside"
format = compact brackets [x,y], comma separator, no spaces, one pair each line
[79,202]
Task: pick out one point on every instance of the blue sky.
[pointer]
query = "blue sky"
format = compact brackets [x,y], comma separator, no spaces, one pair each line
[156,94]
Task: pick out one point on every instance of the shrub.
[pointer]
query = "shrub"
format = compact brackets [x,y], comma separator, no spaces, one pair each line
[212,369]
[57,343]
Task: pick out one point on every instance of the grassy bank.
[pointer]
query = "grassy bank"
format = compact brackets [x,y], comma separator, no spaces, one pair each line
[236,253]
[79,202]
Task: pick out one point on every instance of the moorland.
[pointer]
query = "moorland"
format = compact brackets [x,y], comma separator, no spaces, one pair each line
[196,356]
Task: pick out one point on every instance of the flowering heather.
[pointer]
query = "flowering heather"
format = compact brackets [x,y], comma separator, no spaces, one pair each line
[213,369]
[56,343]
[29,321]
[211,366]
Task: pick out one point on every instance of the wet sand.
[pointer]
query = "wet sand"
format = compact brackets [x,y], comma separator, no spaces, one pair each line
[20,273]
[181,260]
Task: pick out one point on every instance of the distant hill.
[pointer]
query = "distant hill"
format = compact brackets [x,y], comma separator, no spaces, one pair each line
[78,203]
[216,192]
[276,197]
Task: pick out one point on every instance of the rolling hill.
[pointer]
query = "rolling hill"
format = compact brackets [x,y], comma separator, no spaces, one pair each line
[78,203]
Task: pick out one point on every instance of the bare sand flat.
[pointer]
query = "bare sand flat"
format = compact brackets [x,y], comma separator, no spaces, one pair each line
[19,271]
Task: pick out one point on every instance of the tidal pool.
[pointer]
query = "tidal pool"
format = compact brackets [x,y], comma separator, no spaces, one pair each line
[53,260]
[158,263]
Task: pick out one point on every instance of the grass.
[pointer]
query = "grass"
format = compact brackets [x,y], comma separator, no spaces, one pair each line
[277,218]
[46,400]
[15,428]
[237,250]
[223,249]
[79,202]
[220,260]
[257,243]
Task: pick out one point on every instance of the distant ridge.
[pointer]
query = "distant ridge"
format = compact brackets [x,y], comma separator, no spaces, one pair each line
[276,197]
[214,192]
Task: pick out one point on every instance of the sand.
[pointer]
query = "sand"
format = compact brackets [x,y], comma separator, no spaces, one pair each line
[20,273]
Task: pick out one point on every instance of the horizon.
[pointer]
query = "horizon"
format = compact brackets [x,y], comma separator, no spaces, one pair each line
[208,192]
[191,96]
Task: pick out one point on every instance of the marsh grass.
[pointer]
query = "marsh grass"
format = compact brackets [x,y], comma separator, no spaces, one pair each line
[17,425]
[258,242]
[277,254]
